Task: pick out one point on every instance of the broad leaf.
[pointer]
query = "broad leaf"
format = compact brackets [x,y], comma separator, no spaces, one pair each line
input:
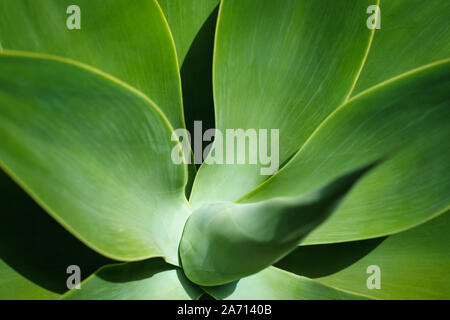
[149,279]
[186,18]
[34,250]
[127,39]
[257,235]
[94,153]
[413,264]
[273,283]
[288,77]
[407,39]
[410,113]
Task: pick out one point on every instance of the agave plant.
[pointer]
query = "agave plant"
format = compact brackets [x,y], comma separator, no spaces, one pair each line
[357,210]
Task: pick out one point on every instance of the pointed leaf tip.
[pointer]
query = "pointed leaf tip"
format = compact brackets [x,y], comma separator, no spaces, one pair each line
[226,241]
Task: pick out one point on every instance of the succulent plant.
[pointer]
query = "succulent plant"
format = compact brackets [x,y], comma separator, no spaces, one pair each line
[88,114]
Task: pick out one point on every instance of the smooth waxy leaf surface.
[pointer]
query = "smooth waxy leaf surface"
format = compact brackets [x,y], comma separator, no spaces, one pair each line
[34,250]
[94,153]
[149,279]
[407,39]
[218,235]
[88,175]
[289,77]
[14,286]
[196,77]
[413,264]
[410,113]
[196,70]
[273,283]
[129,40]
[185,18]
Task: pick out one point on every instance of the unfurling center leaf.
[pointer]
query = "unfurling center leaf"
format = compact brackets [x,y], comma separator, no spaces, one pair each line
[226,241]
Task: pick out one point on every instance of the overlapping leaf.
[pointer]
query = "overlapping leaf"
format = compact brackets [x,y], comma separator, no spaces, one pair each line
[35,251]
[129,40]
[288,77]
[413,264]
[412,33]
[275,284]
[94,153]
[185,18]
[14,286]
[149,279]
[196,77]
[411,113]
[257,235]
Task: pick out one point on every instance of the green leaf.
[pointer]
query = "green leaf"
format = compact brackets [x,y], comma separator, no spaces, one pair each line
[407,39]
[288,77]
[411,113]
[128,40]
[192,24]
[196,77]
[185,18]
[413,264]
[94,153]
[273,283]
[257,235]
[14,286]
[34,250]
[143,280]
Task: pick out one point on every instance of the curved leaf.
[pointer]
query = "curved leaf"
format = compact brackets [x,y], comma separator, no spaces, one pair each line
[14,286]
[288,77]
[256,234]
[196,76]
[185,18]
[129,40]
[273,283]
[407,39]
[34,250]
[143,280]
[412,113]
[94,153]
[413,264]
